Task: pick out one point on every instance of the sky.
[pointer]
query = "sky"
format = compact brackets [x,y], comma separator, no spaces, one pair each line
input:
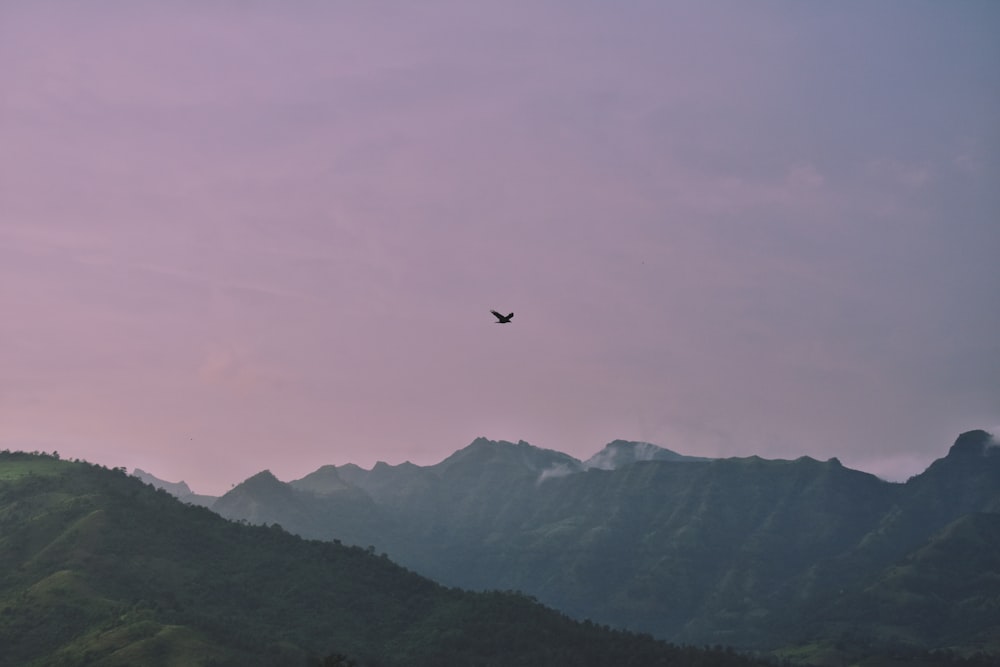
[238,236]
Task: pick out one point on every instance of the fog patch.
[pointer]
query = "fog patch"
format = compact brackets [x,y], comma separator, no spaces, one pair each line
[556,470]
[616,454]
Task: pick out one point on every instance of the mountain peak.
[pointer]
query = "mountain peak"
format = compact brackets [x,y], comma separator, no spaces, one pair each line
[260,489]
[265,479]
[973,443]
[521,455]
[324,480]
[618,453]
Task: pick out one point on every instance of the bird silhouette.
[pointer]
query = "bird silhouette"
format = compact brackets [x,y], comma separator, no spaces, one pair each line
[502,319]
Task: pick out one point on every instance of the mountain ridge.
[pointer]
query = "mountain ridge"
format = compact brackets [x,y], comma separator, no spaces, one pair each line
[702,551]
[97,567]
[179,490]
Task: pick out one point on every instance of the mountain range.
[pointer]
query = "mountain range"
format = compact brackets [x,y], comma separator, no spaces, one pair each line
[803,558]
[98,568]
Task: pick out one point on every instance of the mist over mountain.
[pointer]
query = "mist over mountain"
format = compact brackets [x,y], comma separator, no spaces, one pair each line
[624,452]
[748,552]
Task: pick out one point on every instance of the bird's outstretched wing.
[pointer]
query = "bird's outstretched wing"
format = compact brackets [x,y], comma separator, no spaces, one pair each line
[497,315]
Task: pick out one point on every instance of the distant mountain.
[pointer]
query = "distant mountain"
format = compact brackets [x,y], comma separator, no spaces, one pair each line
[98,568]
[179,490]
[621,453]
[502,457]
[332,510]
[324,481]
[746,551]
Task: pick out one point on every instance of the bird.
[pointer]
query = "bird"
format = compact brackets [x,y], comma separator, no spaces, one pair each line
[502,319]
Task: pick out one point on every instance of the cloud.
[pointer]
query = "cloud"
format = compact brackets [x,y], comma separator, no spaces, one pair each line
[994,440]
[235,368]
[557,470]
[906,174]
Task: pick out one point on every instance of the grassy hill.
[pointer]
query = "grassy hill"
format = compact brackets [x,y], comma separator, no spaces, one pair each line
[97,568]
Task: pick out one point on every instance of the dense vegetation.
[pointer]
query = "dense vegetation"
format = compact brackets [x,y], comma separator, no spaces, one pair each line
[98,568]
[753,553]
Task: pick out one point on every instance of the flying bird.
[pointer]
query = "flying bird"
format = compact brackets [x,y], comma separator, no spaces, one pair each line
[502,319]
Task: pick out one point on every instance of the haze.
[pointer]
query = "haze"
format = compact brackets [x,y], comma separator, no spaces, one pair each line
[237,236]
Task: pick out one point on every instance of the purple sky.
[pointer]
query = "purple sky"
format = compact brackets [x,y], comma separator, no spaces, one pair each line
[247,235]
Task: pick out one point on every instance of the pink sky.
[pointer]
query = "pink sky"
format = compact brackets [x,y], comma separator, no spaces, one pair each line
[237,236]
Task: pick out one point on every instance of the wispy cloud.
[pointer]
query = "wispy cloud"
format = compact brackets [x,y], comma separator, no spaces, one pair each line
[234,368]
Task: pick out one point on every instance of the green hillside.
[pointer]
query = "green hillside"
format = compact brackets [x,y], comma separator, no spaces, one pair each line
[97,568]
[944,594]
